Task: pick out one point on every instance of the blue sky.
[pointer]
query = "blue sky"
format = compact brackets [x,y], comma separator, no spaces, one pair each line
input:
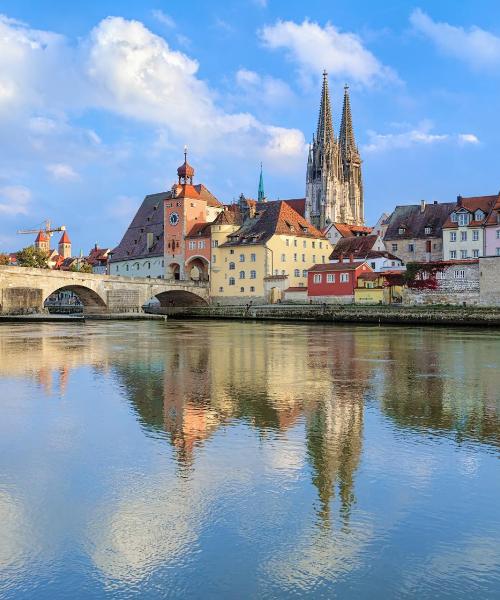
[97,100]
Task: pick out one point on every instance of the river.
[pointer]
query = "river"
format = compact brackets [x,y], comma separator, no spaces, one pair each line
[215,459]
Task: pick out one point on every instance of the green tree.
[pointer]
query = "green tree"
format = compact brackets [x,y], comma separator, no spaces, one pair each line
[4,259]
[82,267]
[32,257]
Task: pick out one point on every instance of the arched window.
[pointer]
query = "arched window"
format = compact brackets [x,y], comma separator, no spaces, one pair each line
[127,267]
[232,266]
[296,273]
[253,274]
[242,274]
[232,281]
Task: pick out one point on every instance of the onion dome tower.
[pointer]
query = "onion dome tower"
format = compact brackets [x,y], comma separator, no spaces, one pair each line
[185,172]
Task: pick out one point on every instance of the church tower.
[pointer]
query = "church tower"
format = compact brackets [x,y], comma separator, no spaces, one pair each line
[65,245]
[334,190]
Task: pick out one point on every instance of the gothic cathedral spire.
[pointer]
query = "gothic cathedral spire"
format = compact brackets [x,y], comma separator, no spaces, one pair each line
[261,196]
[334,187]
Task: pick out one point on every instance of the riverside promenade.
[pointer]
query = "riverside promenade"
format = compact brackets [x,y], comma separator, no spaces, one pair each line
[411,315]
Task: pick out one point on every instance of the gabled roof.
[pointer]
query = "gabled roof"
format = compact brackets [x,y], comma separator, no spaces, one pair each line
[98,255]
[275,218]
[199,230]
[347,230]
[413,220]
[358,246]
[231,215]
[41,237]
[340,266]
[298,204]
[472,204]
[187,190]
[148,219]
[382,254]
[65,238]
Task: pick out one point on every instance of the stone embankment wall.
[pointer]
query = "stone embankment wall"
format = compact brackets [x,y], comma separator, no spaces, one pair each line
[489,278]
[435,315]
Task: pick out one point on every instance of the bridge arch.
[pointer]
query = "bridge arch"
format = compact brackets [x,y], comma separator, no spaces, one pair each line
[198,268]
[173,298]
[89,298]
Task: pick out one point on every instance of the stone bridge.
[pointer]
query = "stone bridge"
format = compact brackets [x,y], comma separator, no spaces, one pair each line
[24,290]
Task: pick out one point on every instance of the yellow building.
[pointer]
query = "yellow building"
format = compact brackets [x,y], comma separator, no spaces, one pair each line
[261,249]
[378,288]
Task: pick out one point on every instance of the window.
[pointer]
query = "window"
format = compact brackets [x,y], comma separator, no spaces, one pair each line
[296,273]
[394,247]
[314,259]
[498,251]
[453,236]
[295,257]
[253,274]
[214,258]
[242,289]
[242,274]
[192,245]
[148,265]
[453,254]
[221,289]
[344,277]
[454,217]
[372,265]
[232,266]
[463,236]
[330,278]
[459,274]
[401,230]
[201,244]
[479,216]
[303,258]
[304,273]
[304,244]
[323,259]
[317,278]
[411,247]
[168,205]
[427,230]
[231,251]
[283,272]
[126,267]
[283,258]
[295,243]
[320,245]
[463,253]
[313,244]
[253,257]
[463,219]
[252,289]
[287,242]
[498,234]
[475,253]
[215,243]
[232,281]
[475,235]
[242,258]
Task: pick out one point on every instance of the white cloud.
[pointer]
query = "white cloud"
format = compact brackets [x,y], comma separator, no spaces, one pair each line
[418,136]
[14,200]
[315,48]
[62,172]
[163,18]
[475,46]
[263,88]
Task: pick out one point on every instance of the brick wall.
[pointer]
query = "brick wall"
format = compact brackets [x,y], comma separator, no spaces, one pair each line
[450,289]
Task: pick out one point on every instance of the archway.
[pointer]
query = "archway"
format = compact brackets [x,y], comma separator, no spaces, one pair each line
[197,268]
[177,298]
[173,271]
[74,299]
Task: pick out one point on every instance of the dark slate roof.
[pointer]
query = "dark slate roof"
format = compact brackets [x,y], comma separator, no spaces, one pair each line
[148,219]
[414,220]
[359,246]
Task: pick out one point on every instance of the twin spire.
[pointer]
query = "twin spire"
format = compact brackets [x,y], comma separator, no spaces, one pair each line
[324,133]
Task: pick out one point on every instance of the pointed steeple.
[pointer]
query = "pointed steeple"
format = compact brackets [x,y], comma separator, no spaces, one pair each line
[261,196]
[346,137]
[325,127]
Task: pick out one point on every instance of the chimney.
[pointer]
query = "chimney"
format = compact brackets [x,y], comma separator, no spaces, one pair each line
[435,201]
[422,206]
[341,258]
[459,200]
[351,257]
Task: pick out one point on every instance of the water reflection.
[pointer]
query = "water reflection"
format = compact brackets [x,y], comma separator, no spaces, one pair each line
[255,423]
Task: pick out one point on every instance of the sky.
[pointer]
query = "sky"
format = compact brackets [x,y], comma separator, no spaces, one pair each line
[98,99]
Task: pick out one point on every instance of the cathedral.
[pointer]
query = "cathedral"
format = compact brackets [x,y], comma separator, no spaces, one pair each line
[334,188]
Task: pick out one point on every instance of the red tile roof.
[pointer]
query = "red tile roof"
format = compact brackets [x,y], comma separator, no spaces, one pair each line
[343,266]
[296,289]
[471,204]
[298,204]
[65,238]
[359,246]
[187,190]
[231,215]
[42,237]
[199,230]
[347,230]
[275,218]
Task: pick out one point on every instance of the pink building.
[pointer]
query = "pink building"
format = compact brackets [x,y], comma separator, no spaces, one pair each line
[492,231]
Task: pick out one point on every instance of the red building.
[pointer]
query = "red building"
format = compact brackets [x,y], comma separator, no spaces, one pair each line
[334,282]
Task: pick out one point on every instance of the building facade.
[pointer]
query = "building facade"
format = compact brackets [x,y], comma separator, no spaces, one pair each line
[335,282]
[492,231]
[334,183]
[414,231]
[249,253]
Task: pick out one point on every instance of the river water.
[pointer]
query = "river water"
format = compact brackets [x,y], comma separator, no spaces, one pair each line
[248,460]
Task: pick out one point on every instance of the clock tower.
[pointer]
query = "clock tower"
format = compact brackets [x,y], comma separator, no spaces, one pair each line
[184,208]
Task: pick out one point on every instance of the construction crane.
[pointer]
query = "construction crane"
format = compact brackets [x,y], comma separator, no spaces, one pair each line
[47,229]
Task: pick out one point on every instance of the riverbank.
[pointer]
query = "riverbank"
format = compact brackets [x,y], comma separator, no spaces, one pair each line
[48,318]
[405,315]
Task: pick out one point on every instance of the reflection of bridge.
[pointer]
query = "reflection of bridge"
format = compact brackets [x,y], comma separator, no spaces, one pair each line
[25,290]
